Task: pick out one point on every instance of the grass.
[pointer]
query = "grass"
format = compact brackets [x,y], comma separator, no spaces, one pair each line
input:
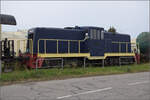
[55,73]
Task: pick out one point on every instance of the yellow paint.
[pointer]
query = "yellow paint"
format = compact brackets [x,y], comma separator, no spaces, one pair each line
[123,43]
[57,40]
[119,47]
[83,55]
[79,46]
[25,45]
[68,46]
[57,46]
[38,46]
[110,55]
[96,57]
[63,55]
[61,40]
[45,46]
[126,47]
[18,46]
[50,55]
[120,42]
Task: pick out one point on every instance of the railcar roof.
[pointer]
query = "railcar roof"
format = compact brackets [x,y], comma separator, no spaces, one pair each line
[67,28]
[50,28]
[33,30]
[117,33]
[91,27]
[81,28]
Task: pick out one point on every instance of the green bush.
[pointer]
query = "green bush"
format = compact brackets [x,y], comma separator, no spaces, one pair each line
[144,44]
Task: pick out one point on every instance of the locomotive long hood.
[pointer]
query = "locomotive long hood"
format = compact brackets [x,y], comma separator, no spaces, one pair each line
[7,19]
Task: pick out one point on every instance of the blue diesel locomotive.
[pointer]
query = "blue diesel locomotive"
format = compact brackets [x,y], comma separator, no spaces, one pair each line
[92,43]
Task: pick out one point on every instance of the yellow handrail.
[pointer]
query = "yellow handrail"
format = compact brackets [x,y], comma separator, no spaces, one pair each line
[57,44]
[79,46]
[119,47]
[61,40]
[45,46]
[123,43]
[126,47]
[68,46]
[38,46]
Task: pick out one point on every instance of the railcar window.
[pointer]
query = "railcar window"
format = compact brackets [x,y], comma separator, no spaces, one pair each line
[98,34]
[94,33]
[91,34]
[102,35]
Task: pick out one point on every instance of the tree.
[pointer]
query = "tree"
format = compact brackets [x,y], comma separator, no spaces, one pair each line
[144,44]
[112,29]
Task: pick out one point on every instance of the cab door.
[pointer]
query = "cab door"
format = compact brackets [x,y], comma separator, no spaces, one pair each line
[96,42]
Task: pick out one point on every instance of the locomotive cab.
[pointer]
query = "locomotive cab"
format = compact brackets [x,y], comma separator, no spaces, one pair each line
[95,42]
[96,34]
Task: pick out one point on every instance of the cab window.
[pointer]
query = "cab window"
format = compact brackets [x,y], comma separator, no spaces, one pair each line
[96,34]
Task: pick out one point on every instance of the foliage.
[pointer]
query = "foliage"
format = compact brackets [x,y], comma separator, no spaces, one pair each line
[55,73]
[112,29]
[144,44]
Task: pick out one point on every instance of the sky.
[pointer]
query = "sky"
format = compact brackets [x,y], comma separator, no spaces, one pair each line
[129,17]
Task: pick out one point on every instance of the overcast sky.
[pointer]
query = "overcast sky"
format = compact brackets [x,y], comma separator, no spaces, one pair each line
[130,17]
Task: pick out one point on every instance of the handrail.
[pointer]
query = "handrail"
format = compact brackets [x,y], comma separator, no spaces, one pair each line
[124,43]
[126,47]
[57,44]
[119,42]
[79,46]
[120,45]
[62,40]
[38,46]
[45,46]
[68,46]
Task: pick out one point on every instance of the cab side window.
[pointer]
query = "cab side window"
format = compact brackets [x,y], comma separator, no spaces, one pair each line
[91,34]
[96,34]
[102,35]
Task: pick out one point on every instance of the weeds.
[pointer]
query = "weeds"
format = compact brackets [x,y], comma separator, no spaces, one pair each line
[55,73]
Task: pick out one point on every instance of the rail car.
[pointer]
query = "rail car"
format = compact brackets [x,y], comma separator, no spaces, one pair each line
[86,42]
